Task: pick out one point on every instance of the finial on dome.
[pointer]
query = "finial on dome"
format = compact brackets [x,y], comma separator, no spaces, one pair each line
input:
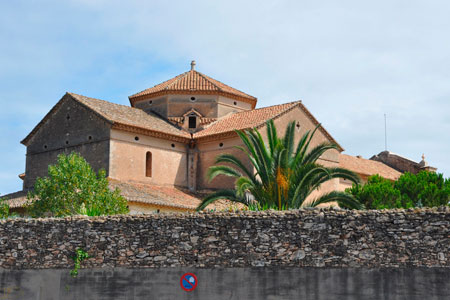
[192,65]
[423,156]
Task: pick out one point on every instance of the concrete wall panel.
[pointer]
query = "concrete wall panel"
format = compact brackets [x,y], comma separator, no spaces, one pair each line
[227,283]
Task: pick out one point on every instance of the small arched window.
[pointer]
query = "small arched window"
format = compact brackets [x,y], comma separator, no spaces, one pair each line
[148,164]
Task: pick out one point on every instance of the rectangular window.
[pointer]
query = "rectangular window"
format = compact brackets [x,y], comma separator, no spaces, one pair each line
[192,122]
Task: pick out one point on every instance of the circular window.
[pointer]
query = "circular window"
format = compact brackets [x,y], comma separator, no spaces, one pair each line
[90,137]
[136,138]
[67,142]
[192,98]
[45,146]
[221,145]
[150,102]
[235,103]
[68,117]
[173,145]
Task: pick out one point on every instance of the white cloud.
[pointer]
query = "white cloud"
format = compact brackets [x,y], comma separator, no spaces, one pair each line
[350,61]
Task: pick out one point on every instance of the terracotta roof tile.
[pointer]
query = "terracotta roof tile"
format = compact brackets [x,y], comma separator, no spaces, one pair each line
[254,119]
[17,199]
[367,167]
[131,116]
[164,195]
[120,115]
[193,81]
[245,120]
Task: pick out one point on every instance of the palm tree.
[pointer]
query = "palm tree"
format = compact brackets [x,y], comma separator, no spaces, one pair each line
[284,177]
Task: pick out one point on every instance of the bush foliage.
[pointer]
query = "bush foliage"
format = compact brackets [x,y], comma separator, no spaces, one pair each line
[410,190]
[4,209]
[72,188]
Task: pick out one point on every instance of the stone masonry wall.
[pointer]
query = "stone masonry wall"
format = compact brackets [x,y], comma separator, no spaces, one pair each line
[303,238]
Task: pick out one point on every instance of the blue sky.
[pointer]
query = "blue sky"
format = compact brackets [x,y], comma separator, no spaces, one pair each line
[349,61]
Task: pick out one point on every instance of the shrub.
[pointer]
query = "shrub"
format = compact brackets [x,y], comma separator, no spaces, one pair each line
[378,193]
[410,190]
[4,209]
[73,188]
[424,188]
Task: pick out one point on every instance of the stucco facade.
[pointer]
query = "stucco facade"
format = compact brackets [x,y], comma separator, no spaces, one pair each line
[127,159]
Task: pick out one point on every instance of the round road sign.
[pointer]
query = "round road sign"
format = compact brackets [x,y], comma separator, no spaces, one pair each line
[188,282]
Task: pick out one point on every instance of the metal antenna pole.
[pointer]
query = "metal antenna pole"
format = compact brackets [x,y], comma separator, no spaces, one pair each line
[385,133]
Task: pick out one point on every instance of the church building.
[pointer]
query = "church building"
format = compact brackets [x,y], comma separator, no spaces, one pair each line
[158,149]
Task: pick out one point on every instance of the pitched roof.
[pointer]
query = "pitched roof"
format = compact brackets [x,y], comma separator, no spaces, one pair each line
[245,119]
[167,196]
[255,119]
[121,116]
[17,199]
[196,83]
[367,167]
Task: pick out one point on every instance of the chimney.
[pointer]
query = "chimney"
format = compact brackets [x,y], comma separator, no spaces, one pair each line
[192,65]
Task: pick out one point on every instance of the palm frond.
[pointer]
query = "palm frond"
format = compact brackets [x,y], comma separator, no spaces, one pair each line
[343,199]
[222,170]
[221,194]
[243,184]
[271,136]
[307,142]
[288,140]
[228,158]
[317,152]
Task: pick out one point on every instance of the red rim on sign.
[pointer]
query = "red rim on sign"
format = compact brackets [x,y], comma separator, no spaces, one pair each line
[188,282]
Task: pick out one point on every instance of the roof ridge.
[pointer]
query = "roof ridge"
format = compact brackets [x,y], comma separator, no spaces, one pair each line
[161,83]
[293,103]
[362,158]
[401,156]
[212,79]
[209,80]
[290,105]
[229,115]
[182,75]
[321,128]
[287,103]
[118,122]
[75,94]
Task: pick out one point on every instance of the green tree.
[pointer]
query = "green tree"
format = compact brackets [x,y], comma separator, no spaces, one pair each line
[378,193]
[73,188]
[285,174]
[424,188]
[410,190]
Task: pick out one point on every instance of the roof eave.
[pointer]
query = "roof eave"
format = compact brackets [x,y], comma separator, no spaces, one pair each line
[321,128]
[166,205]
[149,132]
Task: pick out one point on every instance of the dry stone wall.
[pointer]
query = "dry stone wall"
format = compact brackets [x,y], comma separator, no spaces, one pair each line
[302,238]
